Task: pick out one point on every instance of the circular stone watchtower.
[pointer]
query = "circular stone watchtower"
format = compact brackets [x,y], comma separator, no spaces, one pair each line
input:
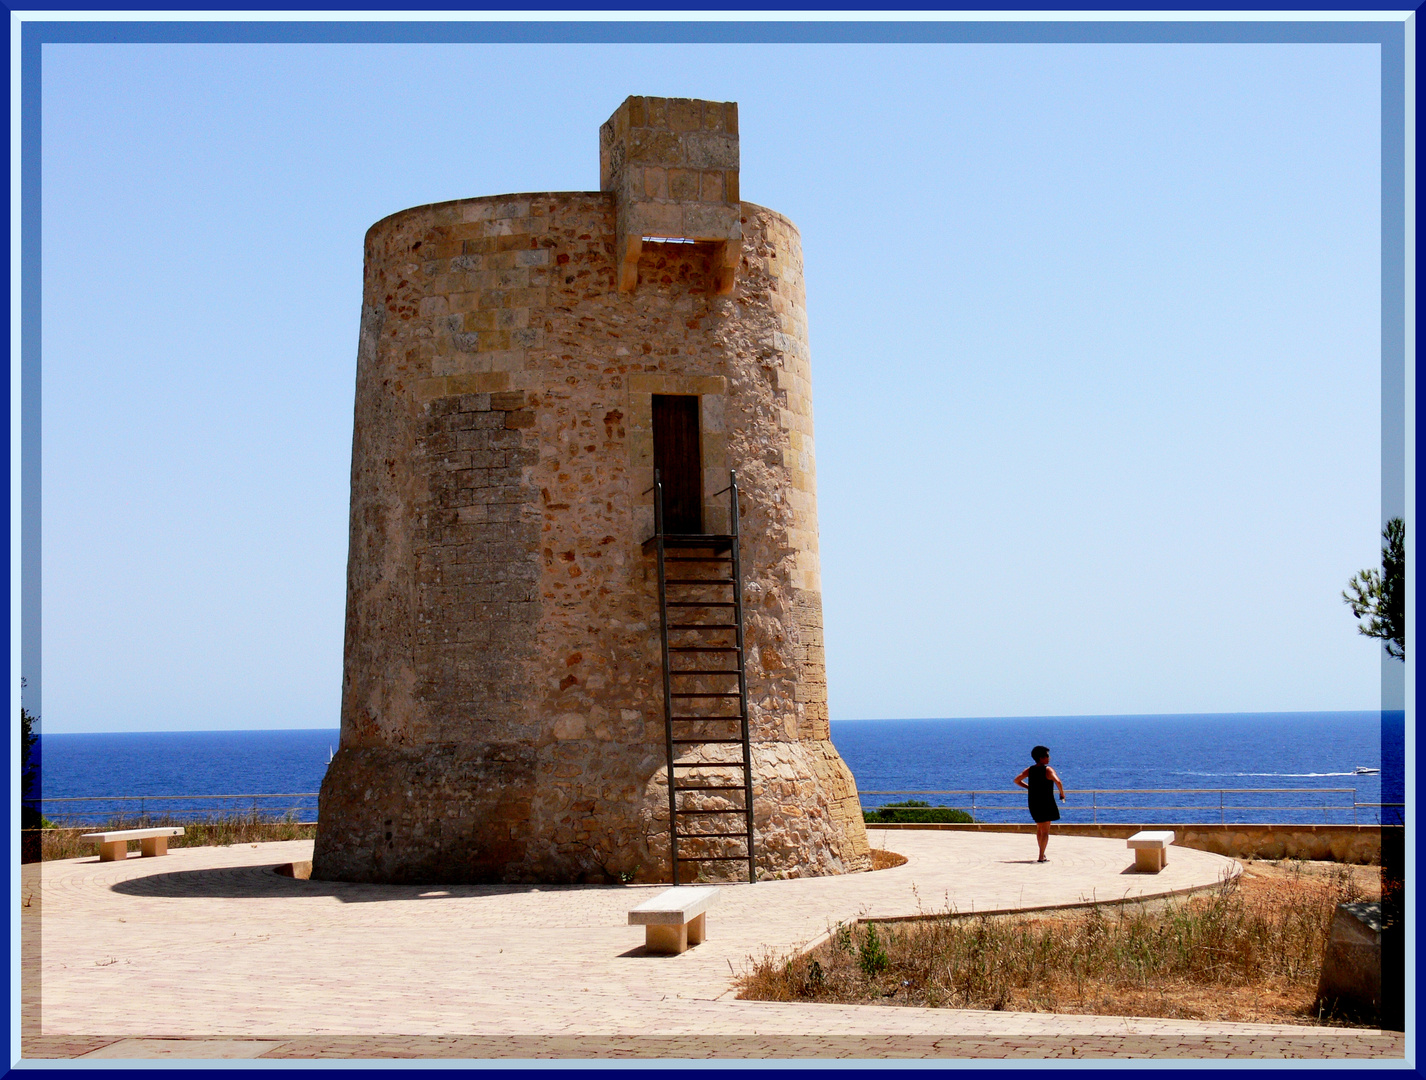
[524,362]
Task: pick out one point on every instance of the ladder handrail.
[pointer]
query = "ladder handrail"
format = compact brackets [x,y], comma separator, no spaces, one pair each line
[742,672]
[667,699]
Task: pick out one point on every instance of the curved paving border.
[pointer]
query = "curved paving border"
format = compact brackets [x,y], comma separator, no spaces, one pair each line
[208,944]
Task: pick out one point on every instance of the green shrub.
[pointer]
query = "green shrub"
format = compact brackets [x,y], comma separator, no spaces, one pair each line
[913,811]
[871,957]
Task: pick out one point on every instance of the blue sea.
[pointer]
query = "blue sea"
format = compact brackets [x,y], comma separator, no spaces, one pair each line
[273,772]
[1202,767]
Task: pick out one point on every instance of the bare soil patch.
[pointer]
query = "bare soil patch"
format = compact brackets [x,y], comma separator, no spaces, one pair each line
[886,860]
[1249,951]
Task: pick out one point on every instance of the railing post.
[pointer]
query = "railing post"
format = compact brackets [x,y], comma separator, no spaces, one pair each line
[1094,801]
[1222,817]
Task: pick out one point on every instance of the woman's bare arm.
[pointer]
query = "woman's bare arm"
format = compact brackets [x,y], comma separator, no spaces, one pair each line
[1020,780]
[1050,772]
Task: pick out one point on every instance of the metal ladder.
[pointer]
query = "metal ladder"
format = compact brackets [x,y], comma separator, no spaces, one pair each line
[701,627]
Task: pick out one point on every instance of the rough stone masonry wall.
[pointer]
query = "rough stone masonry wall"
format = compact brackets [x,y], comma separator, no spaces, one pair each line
[502,713]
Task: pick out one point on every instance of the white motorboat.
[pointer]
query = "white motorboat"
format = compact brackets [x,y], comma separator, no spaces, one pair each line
[1362,770]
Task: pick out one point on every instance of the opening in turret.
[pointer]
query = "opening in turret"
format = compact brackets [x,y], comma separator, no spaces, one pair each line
[678,458]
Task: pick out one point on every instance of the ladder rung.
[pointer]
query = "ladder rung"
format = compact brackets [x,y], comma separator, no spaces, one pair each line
[703,626]
[697,558]
[702,648]
[735,810]
[700,742]
[699,581]
[708,765]
[707,719]
[706,695]
[708,787]
[699,603]
[713,858]
[714,835]
[704,671]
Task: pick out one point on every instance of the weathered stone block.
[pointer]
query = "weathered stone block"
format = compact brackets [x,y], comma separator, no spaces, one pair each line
[704,221]
[1350,985]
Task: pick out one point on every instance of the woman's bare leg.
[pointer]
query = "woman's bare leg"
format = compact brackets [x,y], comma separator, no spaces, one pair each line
[1042,834]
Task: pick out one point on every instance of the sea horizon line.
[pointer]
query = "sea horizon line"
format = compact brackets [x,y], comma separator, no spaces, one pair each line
[843,720]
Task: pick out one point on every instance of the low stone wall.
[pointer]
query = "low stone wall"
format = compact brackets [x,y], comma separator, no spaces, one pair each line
[1330,843]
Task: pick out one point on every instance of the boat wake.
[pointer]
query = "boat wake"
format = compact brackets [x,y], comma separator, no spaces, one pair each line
[1282,774]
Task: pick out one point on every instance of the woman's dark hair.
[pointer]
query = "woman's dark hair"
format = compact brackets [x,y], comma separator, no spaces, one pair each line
[1040,753]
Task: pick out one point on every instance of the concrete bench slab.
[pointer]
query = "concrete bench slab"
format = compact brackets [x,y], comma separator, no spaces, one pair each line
[675,918]
[114,845]
[1151,849]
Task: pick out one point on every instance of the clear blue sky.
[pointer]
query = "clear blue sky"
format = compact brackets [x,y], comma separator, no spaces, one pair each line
[1095,341]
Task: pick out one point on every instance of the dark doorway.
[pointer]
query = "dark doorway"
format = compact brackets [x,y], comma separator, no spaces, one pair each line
[679,461]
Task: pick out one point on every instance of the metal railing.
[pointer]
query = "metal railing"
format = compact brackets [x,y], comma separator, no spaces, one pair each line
[97,809]
[1211,801]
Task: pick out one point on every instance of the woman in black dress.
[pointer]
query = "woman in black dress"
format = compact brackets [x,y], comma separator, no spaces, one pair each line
[1040,781]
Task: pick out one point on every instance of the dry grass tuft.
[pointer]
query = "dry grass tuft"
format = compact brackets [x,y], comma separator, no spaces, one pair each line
[1249,950]
[249,828]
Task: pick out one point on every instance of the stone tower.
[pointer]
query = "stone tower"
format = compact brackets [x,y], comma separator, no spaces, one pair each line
[502,701]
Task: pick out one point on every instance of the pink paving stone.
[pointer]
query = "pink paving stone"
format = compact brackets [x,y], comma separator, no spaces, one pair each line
[169,949]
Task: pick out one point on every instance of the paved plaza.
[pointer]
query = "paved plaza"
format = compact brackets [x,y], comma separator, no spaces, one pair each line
[209,953]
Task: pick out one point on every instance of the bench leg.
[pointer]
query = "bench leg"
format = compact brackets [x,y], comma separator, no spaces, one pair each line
[1149,860]
[154,845]
[666,938]
[113,851]
[697,929]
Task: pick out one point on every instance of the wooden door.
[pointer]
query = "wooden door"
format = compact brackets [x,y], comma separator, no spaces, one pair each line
[679,460]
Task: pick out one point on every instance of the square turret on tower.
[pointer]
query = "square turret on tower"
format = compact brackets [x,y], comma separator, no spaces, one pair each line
[672,164]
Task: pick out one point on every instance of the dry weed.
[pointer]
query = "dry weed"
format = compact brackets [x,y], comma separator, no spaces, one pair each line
[250,828]
[1250,949]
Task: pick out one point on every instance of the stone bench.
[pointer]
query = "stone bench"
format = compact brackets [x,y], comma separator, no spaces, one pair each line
[1151,849]
[674,919]
[115,845]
